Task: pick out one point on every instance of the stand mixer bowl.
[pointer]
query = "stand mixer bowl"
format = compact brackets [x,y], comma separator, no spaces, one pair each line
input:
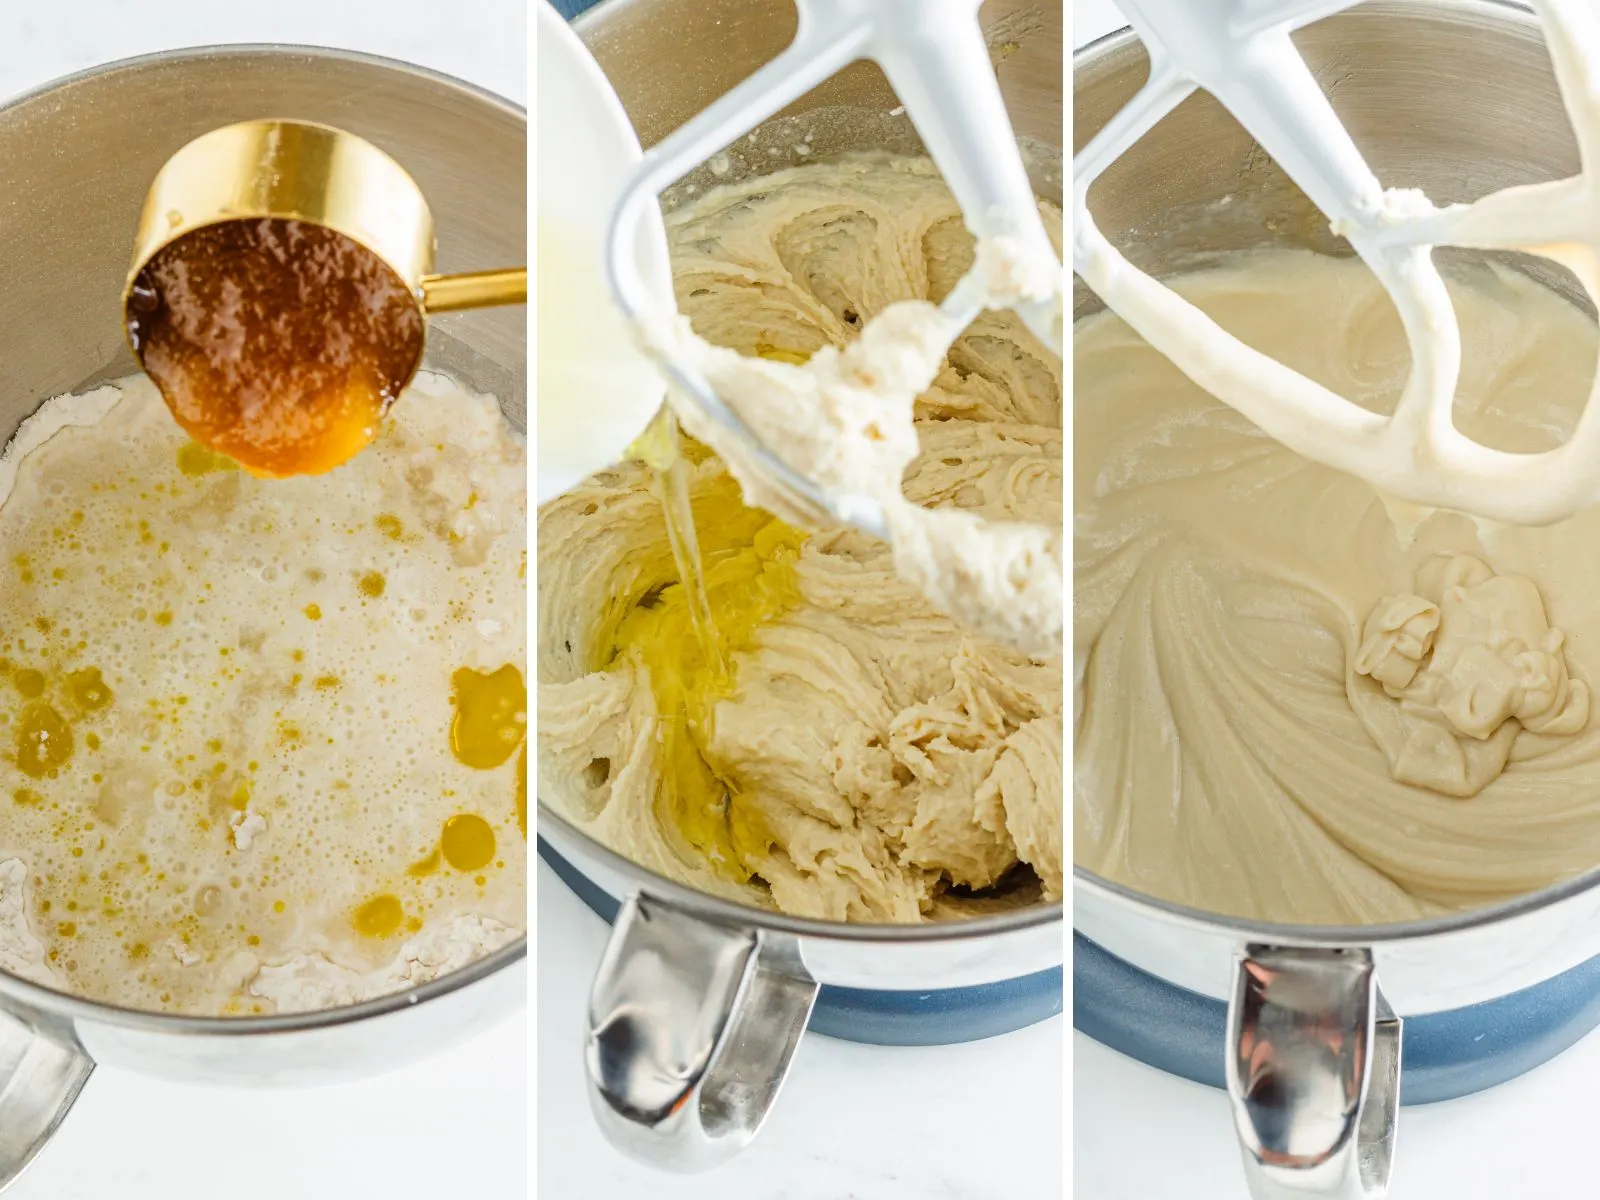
[686,976]
[1456,98]
[82,152]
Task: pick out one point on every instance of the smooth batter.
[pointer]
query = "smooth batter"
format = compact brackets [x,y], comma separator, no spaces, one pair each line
[873,759]
[259,740]
[1298,702]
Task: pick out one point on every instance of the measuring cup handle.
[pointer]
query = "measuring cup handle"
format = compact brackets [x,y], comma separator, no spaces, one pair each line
[40,1077]
[1313,1073]
[692,1027]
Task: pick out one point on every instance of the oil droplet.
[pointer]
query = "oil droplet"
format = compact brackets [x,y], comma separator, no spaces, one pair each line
[195,459]
[326,683]
[163,618]
[372,584]
[522,790]
[88,690]
[779,354]
[229,793]
[425,867]
[491,716]
[389,525]
[314,612]
[44,741]
[27,797]
[379,917]
[30,683]
[67,929]
[467,842]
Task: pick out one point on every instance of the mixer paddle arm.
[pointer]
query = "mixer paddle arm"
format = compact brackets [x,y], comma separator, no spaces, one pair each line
[1240,51]
[934,53]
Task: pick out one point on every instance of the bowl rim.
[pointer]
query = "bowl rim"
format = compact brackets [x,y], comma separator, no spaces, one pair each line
[1098,55]
[264,50]
[730,912]
[59,1003]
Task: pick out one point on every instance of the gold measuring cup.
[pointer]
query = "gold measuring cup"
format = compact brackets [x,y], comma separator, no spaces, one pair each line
[313,175]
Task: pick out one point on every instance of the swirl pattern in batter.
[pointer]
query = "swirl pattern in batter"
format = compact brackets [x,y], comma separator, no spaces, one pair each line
[870,759]
[1230,755]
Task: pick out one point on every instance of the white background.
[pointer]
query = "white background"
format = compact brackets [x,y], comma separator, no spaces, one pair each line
[979,1121]
[1142,1135]
[455,1125]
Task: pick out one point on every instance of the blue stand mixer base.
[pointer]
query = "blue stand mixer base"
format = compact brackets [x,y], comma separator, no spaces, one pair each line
[1442,1055]
[888,1018]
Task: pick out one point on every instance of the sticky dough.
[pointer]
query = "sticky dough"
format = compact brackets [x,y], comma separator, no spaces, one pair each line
[1297,700]
[858,387]
[892,754]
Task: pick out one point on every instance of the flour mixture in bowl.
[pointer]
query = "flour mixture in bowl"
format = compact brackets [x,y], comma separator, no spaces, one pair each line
[861,756]
[1300,701]
[261,742]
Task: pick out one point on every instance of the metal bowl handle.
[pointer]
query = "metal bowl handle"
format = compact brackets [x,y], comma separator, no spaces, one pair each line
[692,1027]
[1313,1073]
[40,1078]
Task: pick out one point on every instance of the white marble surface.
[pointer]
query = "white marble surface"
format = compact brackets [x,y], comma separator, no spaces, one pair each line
[1141,1135]
[456,1124]
[981,1121]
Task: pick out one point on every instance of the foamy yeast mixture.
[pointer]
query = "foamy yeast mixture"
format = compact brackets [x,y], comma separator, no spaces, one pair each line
[1297,701]
[260,741]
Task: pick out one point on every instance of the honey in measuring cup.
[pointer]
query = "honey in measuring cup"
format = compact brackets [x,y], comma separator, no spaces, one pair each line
[281,283]
[277,342]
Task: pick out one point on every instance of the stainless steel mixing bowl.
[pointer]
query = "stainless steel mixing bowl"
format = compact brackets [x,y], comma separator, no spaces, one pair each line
[1455,97]
[79,155]
[699,1004]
